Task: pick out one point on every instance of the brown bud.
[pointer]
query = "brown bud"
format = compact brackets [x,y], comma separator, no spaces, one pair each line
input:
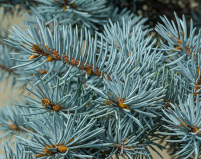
[33,57]
[42,72]
[44,102]
[13,126]
[50,58]
[64,7]
[36,48]
[107,102]
[56,107]
[89,71]
[62,148]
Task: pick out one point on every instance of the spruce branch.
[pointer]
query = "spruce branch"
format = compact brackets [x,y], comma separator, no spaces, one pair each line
[66,136]
[80,12]
[83,52]
[69,53]
[56,97]
[11,121]
[181,43]
[190,72]
[128,140]
[137,95]
[184,123]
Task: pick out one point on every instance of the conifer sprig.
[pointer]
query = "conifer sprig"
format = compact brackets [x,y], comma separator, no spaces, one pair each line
[135,95]
[69,136]
[12,119]
[80,12]
[183,122]
[56,97]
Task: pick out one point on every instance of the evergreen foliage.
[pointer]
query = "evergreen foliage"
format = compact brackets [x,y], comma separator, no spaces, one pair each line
[99,85]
